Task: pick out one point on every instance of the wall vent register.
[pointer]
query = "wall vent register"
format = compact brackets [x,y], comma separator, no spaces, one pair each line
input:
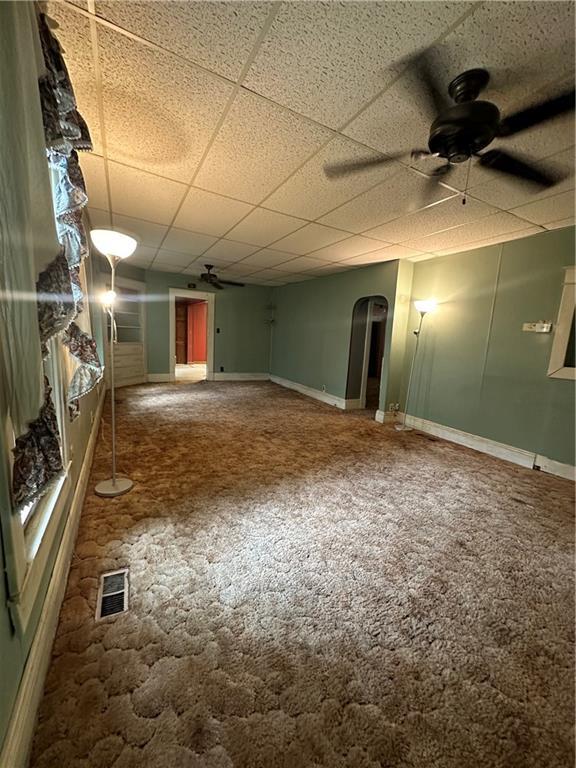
[112,594]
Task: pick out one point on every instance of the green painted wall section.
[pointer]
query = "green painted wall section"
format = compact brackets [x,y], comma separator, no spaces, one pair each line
[477,371]
[313,321]
[241,314]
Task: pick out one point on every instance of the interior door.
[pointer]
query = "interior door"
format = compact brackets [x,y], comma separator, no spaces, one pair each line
[181,333]
[197,332]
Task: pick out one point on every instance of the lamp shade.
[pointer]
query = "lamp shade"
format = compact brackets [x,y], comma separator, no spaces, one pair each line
[426,305]
[112,243]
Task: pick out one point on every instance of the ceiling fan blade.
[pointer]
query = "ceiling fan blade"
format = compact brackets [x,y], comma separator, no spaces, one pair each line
[335,170]
[231,282]
[506,162]
[536,114]
[442,172]
[217,284]
[434,97]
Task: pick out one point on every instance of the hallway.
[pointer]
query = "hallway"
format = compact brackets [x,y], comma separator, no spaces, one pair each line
[309,588]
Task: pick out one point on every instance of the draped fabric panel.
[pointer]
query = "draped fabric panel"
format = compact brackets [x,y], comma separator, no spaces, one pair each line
[59,296]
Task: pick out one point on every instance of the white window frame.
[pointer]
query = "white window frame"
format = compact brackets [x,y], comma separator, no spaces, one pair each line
[556,367]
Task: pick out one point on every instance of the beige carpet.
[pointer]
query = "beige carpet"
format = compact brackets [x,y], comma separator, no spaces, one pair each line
[312,589]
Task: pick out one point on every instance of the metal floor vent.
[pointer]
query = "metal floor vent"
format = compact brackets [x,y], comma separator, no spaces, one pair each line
[112,594]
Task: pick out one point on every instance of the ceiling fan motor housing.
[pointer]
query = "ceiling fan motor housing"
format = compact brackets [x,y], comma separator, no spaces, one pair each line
[464,129]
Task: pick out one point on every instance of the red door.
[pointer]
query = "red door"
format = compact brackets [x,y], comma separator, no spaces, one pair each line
[197,313]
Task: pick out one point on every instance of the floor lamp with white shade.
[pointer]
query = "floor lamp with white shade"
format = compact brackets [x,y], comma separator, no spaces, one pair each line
[116,246]
[423,306]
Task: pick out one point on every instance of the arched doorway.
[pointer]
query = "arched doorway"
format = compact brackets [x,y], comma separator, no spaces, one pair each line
[366,351]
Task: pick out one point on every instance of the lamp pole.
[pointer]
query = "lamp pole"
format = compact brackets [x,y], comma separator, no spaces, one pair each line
[402,427]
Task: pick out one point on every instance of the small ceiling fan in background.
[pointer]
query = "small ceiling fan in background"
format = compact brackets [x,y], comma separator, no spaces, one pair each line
[462,129]
[213,280]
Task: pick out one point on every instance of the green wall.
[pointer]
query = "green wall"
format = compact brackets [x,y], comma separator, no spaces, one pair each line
[313,322]
[477,371]
[242,344]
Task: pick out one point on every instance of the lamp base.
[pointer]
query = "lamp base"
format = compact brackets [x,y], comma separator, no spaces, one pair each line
[403,428]
[110,488]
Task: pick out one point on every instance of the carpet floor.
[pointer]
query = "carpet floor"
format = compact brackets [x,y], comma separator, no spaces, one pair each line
[311,589]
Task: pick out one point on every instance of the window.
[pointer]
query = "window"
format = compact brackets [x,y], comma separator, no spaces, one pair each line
[562,358]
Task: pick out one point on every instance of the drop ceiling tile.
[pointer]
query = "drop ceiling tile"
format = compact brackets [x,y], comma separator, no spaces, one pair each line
[346,249]
[198,266]
[269,274]
[218,36]
[297,278]
[143,196]
[207,212]
[506,192]
[403,193]
[228,250]
[239,268]
[505,238]
[99,219]
[158,266]
[92,167]
[339,55]
[143,256]
[560,224]
[487,227]
[179,260]
[310,193]
[160,111]
[257,147]
[550,209]
[330,269]
[262,227]
[187,242]
[386,254]
[443,215]
[145,232]
[267,258]
[301,264]
[310,238]
[74,36]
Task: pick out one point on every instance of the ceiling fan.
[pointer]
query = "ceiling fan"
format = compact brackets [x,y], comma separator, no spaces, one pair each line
[460,130]
[213,280]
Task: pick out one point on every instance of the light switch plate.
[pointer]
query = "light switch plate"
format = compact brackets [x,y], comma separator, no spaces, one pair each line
[539,327]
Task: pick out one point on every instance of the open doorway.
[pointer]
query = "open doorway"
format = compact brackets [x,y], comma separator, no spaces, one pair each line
[366,352]
[191,339]
[191,335]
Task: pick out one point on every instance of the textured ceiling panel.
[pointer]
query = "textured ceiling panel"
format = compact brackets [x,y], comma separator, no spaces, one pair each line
[385,254]
[267,257]
[491,240]
[210,213]
[263,227]
[74,36]
[187,242]
[228,250]
[144,231]
[180,260]
[560,224]
[448,213]
[256,148]
[95,178]
[339,55]
[99,219]
[139,194]
[143,256]
[551,209]
[159,111]
[300,264]
[218,36]
[488,227]
[346,249]
[310,238]
[198,265]
[402,194]
[309,193]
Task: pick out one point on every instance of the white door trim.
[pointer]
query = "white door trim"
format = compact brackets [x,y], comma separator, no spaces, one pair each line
[182,293]
[366,360]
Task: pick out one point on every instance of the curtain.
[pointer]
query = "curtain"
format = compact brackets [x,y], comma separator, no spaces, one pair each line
[59,131]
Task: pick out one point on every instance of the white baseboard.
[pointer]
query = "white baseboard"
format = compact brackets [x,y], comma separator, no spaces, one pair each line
[18,740]
[556,467]
[223,376]
[518,456]
[353,405]
[158,378]
[385,417]
[324,397]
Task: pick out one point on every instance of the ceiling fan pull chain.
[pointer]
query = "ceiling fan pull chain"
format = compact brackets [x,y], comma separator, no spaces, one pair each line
[467,178]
